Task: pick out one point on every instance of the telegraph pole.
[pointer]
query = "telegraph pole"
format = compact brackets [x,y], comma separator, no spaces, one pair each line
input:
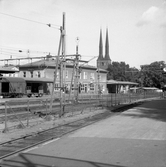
[56,70]
[61,63]
[98,81]
[63,69]
[76,86]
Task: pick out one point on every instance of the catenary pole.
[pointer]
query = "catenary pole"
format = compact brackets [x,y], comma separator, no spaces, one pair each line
[63,63]
[76,86]
[56,69]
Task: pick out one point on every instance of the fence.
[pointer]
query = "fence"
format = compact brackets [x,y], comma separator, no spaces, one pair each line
[25,111]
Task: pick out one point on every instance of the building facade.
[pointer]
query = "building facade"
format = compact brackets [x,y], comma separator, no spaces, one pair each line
[91,79]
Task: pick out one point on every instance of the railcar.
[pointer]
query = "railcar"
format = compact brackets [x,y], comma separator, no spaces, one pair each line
[11,87]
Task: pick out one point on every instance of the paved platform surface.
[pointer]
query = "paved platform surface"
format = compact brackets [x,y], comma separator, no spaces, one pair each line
[134,138]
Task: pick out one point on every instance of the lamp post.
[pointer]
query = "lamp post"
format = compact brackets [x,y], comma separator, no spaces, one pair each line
[77,43]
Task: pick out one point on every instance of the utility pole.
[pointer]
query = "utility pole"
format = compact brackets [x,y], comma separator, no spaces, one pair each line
[61,46]
[98,82]
[76,84]
[56,70]
[63,69]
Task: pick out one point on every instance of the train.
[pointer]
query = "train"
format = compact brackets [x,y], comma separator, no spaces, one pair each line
[11,87]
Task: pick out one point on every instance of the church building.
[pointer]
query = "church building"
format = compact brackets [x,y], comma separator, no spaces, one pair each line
[103,61]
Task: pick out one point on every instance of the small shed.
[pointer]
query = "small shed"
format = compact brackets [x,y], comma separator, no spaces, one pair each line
[114,86]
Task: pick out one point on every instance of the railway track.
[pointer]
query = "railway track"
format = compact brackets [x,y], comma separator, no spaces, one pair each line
[12,147]
[36,110]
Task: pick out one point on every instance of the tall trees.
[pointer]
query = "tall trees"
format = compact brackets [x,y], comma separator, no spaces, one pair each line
[122,72]
[153,74]
[150,75]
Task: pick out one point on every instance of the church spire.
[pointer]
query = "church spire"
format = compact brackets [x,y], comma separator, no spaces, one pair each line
[107,57]
[100,47]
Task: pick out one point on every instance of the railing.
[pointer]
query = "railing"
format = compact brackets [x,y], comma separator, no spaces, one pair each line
[26,111]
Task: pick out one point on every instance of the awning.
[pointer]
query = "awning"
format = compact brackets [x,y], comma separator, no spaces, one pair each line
[35,80]
[13,79]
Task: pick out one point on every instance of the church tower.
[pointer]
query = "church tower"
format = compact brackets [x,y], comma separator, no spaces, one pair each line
[103,62]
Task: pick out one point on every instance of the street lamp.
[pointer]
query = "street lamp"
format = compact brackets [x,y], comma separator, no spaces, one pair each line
[77,43]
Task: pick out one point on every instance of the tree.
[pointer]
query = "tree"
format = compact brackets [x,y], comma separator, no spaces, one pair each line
[153,74]
[122,72]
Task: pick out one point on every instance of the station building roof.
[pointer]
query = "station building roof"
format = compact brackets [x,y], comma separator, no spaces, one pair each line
[51,63]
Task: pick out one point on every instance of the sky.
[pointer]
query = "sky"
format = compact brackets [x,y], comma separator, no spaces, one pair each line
[136,28]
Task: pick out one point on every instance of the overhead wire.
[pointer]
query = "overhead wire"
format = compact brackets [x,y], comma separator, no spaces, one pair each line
[20,50]
[38,22]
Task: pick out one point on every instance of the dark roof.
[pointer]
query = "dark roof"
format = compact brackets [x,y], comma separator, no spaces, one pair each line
[20,79]
[12,79]
[4,70]
[114,82]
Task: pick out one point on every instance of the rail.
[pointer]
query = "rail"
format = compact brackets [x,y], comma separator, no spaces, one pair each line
[24,143]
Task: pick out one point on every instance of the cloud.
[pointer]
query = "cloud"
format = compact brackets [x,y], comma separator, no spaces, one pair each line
[154,15]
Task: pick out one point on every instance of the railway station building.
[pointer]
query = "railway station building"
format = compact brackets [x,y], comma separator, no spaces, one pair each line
[91,78]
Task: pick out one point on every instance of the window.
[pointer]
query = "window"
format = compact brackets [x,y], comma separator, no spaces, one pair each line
[66,74]
[79,75]
[72,87]
[57,75]
[31,74]
[85,75]
[92,87]
[98,76]
[92,76]
[56,87]
[82,86]
[39,74]
[24,74]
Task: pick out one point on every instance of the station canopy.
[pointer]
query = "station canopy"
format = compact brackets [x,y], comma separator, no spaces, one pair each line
[13,79]
[35,80]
